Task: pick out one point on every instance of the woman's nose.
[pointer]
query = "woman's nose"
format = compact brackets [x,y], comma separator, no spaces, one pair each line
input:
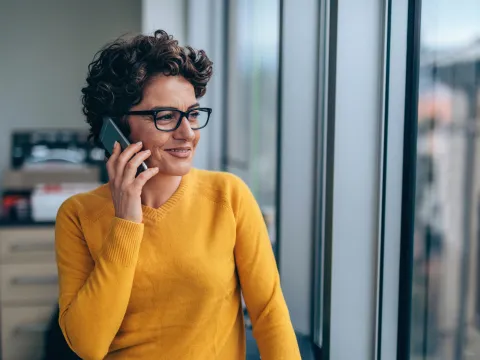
[184,131]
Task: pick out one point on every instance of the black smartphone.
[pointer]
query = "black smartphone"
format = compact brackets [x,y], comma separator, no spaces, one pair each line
[111,133]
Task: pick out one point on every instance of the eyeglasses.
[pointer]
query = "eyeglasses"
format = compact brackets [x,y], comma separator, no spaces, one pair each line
[169,119]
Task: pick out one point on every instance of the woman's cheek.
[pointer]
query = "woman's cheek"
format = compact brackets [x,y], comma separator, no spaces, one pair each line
[159,154]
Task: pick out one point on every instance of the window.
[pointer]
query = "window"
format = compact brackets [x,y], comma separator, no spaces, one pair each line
[445,317]
[251,146]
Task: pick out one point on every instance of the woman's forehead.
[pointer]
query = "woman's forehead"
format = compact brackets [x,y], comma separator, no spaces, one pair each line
[174,91]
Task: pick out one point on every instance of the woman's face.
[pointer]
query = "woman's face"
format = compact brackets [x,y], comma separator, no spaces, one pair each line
[166,91]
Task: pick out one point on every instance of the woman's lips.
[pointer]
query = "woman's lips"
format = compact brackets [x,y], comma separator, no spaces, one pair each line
[179,152]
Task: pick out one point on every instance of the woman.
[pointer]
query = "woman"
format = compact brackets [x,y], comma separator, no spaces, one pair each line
[151,266]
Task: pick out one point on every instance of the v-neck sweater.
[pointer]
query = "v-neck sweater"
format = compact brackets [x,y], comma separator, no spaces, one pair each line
[170,287]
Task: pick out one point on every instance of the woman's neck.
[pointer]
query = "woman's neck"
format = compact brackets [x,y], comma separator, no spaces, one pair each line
[159,189]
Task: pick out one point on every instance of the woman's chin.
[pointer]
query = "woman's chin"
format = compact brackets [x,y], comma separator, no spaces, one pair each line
[175,170]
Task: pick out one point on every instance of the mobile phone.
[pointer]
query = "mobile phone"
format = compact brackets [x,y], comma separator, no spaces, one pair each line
[111,133]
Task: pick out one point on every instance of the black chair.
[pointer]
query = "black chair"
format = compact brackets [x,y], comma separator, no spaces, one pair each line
[56,348]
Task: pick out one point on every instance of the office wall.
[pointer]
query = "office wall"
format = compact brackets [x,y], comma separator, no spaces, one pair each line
[167,15]
[46,47]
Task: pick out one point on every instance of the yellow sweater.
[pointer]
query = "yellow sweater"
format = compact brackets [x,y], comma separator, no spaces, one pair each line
[170,288]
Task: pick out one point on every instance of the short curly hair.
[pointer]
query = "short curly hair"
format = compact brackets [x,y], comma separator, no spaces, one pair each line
[120,71]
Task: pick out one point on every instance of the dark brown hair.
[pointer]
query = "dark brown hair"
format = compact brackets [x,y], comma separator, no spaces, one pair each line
[119,72]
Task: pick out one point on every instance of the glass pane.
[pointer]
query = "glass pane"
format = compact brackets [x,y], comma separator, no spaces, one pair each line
[252,100]
[446,277]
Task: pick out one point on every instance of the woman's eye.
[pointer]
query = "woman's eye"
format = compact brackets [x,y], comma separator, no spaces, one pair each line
[165,117]
[194,115]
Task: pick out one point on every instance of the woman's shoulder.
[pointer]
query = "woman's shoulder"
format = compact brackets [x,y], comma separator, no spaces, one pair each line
[221,185]
[217,178]
[90,204]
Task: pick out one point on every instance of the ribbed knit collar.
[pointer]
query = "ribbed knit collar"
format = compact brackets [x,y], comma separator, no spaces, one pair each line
[162,211]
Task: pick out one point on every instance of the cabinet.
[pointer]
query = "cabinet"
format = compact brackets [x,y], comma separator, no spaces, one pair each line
[28,290]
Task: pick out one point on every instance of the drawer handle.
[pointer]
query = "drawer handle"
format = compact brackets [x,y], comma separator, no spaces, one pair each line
[35,280]
[33,328]
[20,248]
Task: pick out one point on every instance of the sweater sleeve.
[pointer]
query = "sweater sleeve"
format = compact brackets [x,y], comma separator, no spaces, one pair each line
[94,294]
[260,282]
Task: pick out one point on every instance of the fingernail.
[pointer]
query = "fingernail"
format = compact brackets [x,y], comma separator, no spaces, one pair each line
[155,169]
[115,144]
[139,143]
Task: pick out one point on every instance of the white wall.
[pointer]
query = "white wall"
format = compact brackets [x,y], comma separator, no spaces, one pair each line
[46,47]
[168,15]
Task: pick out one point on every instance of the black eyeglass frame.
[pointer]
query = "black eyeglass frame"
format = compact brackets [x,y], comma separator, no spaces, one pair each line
[183,114]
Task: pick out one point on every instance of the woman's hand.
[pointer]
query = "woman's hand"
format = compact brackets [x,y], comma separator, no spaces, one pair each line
[126,189]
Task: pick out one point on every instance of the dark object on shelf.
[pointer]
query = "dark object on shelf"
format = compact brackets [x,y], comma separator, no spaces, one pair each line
[53,145]
[56,348]
[15,206]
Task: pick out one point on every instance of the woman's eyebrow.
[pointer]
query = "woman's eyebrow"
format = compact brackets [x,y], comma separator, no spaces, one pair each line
[174,107]
[193,106]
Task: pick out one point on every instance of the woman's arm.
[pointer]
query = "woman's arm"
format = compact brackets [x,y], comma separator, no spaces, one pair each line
[260,281]
[94,295]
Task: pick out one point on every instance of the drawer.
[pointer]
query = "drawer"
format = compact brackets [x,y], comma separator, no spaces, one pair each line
[27,245]
[23,331]
[29,283]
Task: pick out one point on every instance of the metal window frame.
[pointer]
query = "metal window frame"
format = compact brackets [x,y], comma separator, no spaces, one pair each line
[389,269]
[379,103]
[324,172]
[408,180]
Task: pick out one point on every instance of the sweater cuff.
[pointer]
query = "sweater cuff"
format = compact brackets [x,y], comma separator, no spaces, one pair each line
[123,242]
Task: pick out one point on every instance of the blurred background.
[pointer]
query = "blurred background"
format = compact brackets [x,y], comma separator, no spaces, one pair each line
[356,124]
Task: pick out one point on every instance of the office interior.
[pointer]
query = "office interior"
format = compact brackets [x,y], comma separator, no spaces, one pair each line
[354,123]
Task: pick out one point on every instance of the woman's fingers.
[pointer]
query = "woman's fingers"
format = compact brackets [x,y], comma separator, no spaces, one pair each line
[132,166]
[143,177]
[123,159]
[111,162]
[125,188]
